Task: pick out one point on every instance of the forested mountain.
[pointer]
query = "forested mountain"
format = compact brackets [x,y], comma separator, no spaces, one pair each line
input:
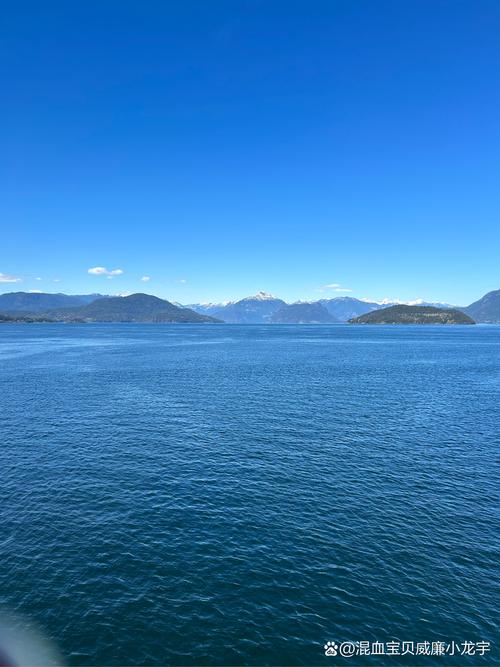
[402,314]
[486,309]
[133,308]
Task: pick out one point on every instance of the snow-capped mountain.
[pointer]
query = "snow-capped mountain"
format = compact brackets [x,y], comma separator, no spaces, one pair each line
[255,309]
[261,307]
[261,296]
[416,302]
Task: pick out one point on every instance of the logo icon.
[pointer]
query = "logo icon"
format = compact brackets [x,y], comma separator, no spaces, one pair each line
[331,648]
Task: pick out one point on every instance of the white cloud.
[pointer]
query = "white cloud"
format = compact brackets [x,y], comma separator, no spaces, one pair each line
[56,280]
[146,279]
[6,278]
[38,278]
[35,291]
[333,287]
[182,281]
[103,271]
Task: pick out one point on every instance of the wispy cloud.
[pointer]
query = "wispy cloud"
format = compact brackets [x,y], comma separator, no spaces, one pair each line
[35,291]
[7,278]
[103,271]
[333,287]
[182,281]
[146,279]
[38,278]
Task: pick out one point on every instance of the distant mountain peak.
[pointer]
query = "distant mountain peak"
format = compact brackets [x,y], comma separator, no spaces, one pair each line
[261,296]
[254,309]
[415,302]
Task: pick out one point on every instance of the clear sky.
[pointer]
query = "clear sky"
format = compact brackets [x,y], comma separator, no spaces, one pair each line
[221,147]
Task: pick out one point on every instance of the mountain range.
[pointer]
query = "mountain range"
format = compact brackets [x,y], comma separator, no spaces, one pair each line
[262,308]
[132,308]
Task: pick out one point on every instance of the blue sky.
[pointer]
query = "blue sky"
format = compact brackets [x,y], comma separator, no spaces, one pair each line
[220,148]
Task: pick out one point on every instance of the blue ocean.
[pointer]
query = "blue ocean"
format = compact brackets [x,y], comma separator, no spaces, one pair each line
[242,495]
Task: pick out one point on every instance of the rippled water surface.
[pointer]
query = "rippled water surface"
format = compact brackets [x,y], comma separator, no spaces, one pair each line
[229,495]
